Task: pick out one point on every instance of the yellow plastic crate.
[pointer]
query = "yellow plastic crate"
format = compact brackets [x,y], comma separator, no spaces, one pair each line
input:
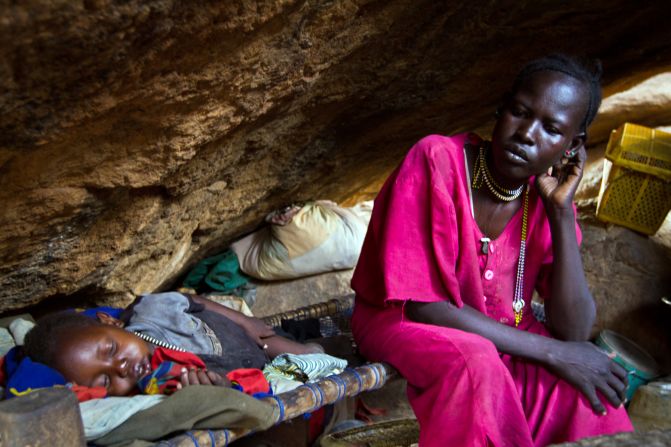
[642,149]
[636,189]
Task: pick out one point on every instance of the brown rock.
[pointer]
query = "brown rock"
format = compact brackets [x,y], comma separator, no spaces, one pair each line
[140,136]
[281,296]
[628,275]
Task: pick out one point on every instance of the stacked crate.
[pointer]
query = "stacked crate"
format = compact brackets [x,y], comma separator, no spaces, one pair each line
[636,187]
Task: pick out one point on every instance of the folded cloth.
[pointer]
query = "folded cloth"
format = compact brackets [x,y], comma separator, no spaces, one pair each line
[287,370]
[314,366]
[194,407]
[279,382]
[167,366]
[101,416]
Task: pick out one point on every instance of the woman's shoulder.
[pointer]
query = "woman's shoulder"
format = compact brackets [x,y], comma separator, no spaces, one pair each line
[446,141]
[439,151]
[435,159]
[436,145]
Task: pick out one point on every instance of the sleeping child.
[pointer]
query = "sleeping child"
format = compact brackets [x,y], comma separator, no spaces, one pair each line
[151,345]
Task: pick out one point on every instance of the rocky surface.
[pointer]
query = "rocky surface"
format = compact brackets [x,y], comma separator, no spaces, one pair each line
[628,275]
[654,438]
[281,296]
[137,137]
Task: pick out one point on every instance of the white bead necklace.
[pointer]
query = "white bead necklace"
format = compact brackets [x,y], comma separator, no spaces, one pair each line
[159,343]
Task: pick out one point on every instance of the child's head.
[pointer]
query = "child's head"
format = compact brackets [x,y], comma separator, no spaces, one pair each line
[88,352]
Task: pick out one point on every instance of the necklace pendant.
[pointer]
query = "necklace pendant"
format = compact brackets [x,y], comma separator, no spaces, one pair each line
[485,245]
[518,305]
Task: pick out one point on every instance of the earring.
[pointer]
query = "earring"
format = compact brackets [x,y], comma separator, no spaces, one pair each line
[569,154]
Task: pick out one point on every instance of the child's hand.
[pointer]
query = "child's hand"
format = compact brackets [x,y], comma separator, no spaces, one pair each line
[195,376]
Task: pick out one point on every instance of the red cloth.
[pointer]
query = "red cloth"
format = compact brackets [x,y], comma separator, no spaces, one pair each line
[316,424]
[85,393]
[185,359]
[251,380]
[167,366]
[423,244]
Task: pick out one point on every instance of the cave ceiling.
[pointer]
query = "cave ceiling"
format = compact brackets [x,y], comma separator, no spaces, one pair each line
[139,136]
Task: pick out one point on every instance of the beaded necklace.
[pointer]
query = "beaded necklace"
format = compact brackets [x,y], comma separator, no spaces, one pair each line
[518,301]
[159,343]
[480,172]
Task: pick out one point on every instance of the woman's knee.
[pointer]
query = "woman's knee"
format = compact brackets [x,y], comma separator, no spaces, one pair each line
[433,354]
[473,352]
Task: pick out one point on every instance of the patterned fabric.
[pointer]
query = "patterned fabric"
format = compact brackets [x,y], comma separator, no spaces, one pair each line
[167,368]
[289,371]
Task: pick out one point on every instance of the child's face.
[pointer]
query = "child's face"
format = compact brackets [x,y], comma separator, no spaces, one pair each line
[104,356]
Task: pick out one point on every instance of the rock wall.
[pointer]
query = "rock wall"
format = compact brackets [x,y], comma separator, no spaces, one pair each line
[139,136]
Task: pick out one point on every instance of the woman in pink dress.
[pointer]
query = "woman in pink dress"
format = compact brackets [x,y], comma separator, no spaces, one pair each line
[461,235]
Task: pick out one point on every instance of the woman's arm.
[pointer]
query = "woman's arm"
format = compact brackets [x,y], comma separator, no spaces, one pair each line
[260,332]
[570,309]
[580,363]
[254,327]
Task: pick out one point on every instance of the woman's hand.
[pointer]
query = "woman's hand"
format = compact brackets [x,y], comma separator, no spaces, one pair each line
[195,376]
[557,190]
[589,369]
[257,330]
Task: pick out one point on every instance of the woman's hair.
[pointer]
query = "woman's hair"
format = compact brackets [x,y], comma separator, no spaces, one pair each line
[587,72]
[42,341]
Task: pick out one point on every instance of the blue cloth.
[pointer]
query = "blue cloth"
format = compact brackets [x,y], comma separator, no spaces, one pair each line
[24,375]
[115,312]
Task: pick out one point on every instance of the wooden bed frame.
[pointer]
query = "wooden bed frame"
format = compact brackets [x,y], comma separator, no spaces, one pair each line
[309,397]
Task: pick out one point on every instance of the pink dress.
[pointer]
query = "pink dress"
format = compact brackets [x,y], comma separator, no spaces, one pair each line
[423,244]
